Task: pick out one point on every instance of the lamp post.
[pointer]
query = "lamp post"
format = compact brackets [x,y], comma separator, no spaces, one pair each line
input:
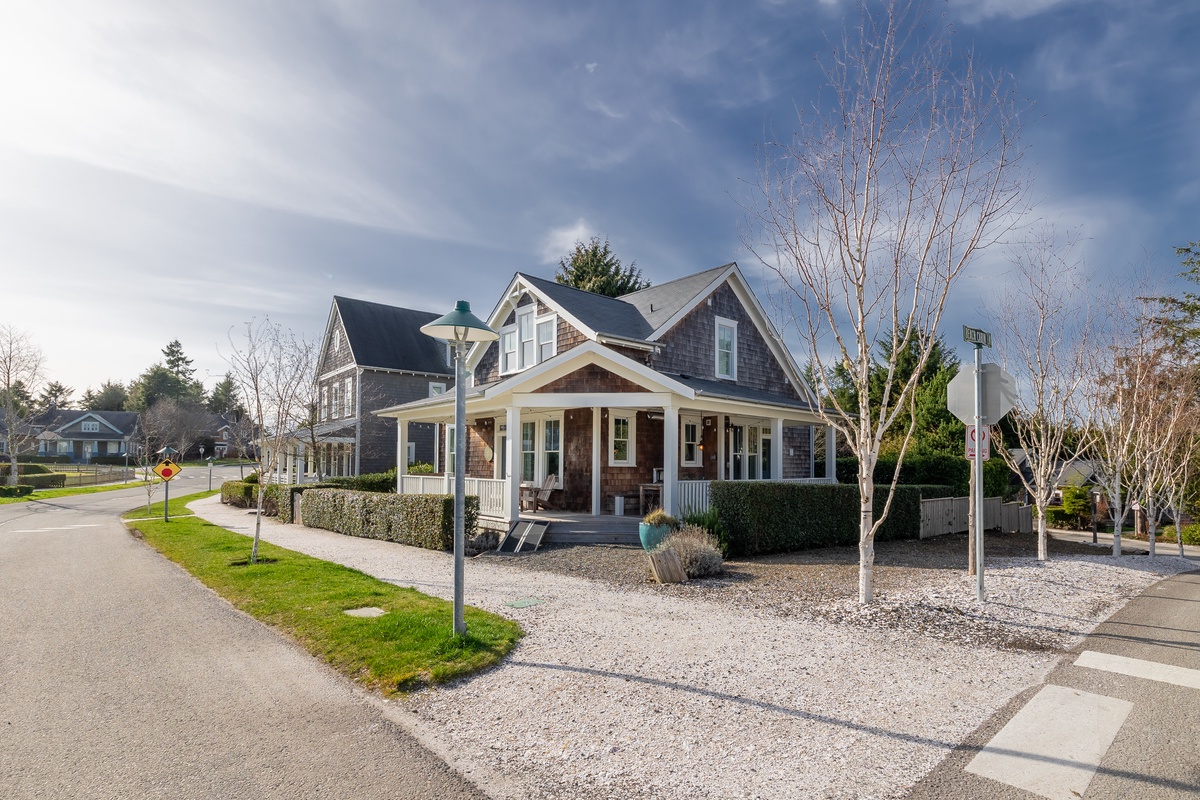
[459,327]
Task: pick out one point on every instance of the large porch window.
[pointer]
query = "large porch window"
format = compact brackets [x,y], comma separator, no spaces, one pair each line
[750,448]
[689,445]
[621,432]
[541,450]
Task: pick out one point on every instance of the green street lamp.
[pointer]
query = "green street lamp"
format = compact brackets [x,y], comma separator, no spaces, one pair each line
[459,327]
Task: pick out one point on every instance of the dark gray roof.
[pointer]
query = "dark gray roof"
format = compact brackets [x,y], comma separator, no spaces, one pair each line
[600,313]
[733,391]
[388,337]
[631,316]
[124,421]
[657,304]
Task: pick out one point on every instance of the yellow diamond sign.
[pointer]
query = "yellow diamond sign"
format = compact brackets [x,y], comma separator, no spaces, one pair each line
[166,469]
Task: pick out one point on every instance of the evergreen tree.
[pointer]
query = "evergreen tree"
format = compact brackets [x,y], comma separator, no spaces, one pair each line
[225,399]
[178,363]
[54,394]
[111,397]
[159,382]
[594,268]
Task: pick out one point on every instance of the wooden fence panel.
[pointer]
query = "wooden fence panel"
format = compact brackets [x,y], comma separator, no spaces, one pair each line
[943,515]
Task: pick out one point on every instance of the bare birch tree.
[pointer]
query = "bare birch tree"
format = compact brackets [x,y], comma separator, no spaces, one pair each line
[20,374]
[1123,368]
[872,211]
[272,369]
[1044,324]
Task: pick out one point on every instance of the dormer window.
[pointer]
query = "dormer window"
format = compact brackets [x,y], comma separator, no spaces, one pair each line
[726,349]
[527,342]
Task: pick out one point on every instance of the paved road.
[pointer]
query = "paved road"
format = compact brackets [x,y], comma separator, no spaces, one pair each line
[122,677]
[1118,718]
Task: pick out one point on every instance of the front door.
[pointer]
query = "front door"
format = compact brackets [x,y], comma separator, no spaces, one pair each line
[749,453]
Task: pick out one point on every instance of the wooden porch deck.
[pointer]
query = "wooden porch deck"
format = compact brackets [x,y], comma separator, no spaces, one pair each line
[568,527]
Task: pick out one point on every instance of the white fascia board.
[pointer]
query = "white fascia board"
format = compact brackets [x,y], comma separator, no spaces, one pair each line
[589,399]
[747,409]
[348,368]
[516,288]
[685,309]
[589,352]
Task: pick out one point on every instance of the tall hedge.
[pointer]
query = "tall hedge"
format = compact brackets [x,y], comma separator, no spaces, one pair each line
[760,517]
[949,471]
[368,482]
[25,469]
[421,520]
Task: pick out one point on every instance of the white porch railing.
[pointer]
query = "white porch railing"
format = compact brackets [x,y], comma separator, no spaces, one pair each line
[491,492]
[692,496]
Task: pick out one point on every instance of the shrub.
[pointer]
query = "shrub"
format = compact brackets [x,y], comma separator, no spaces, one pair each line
[481,542]
[421,520]
[762,517]
[46,459]
[20,490]
[1060,517]
[1191,533]
[25,469]
[710,521]
[54,480]
[239,493]
[251,478]
[658,517]
[420,468]
[952,471]
[370,482]
[698,551]
[112,461]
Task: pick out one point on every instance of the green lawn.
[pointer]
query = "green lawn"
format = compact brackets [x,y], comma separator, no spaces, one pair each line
[50,494]
[410,646]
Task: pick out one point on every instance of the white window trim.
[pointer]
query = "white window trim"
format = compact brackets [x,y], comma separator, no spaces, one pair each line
[89,426]
[324,415]
[699,459]
[612,419]
[539,450]
[347,398]
[436,389]
[732,324]
[515,330]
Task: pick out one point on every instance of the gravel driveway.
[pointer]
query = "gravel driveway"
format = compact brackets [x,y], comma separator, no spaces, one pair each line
[770,682]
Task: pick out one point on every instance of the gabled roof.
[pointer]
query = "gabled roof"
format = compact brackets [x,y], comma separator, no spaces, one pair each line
[119,422]
[597,313]
[389,337]
[658,304]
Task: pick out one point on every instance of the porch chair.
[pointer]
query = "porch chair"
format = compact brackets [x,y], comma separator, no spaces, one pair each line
[532,497]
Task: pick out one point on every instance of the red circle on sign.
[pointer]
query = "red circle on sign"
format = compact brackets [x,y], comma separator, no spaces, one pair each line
[167,472]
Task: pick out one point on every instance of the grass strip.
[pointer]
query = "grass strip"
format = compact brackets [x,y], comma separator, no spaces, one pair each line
[410,646]
[50,494]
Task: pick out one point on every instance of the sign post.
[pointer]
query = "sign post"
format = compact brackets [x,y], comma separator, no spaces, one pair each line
[980,399]
[167,470]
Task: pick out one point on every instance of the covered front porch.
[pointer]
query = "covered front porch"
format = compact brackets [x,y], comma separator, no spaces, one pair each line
[606,436]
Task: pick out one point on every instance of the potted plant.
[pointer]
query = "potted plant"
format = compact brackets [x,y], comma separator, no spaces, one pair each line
[654,527]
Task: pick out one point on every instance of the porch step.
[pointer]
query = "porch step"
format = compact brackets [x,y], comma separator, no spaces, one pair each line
[591,537]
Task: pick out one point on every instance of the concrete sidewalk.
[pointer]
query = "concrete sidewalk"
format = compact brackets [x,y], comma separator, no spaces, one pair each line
[1129,545]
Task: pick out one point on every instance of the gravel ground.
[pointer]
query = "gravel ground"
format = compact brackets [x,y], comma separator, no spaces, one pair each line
[768,682]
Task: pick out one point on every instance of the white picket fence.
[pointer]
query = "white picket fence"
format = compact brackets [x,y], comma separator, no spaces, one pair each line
[943,515]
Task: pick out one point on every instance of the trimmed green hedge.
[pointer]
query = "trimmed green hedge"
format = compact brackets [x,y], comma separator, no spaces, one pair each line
[370,482]
[20,490]
[239,494]
[421,520]
[55,480]
[760,517]
[25,469]
[949,471]
[45,459]
[277,499]
[113,461]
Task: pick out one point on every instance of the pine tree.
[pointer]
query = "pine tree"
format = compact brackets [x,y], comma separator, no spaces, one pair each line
[594,268]
[178,363]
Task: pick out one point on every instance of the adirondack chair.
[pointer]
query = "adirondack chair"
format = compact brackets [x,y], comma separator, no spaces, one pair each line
[533,498]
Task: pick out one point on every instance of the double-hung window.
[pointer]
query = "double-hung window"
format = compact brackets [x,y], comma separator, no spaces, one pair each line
[726,348]
[621,430]
[335,409]
[91,426]
[347,400]
[528,341]
[324,403]
[552,448]
[529,452]
[690,443]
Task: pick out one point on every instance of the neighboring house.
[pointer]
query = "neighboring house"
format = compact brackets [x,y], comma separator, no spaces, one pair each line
[83,435]
[373,355]
[1067,472]
[611,400]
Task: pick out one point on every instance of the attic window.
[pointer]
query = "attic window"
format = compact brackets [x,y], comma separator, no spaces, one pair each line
[726,349]
[90,427]
[528,342]
[337,341]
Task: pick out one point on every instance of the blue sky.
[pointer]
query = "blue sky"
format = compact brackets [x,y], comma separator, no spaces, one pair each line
[171,169]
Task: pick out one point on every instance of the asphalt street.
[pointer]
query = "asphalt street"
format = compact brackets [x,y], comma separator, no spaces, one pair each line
[123,677]
[1132,688]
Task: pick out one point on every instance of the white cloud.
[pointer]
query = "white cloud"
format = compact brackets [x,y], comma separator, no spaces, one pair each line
[591,67]
[974,11]
[561,241]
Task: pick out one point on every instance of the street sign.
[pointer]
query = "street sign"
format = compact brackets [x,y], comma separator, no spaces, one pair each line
[984,442]
[999,394]
[166,469]
[976,336]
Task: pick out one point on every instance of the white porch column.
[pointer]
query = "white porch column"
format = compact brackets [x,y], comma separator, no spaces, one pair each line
[512,419]
[597,454]
[721,446]
[301,462]
[670,459]
[831,453]
[401,454]
[289,462]
[777,449]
